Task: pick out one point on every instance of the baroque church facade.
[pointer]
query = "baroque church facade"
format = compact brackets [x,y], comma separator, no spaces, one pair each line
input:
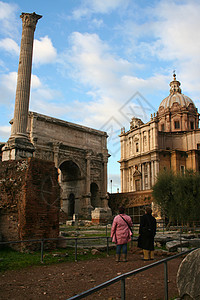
[170,140]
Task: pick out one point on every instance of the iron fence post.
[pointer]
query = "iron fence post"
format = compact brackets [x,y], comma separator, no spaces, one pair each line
[42,251]
[123,291]
[166,280]
[107,238]
[181,239]
[76,242]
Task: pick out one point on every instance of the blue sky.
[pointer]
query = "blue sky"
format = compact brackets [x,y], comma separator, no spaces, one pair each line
[99,63]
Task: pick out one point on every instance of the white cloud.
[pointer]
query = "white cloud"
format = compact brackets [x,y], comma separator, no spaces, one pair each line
[9,45]
[108,79]
[8,21]
[8,84]
[7,87]
[44,51]
[89,7]
[179,40]
[41,102]
[35,82]
[177,29]
[96,23]
[93,63]
[5,132]
[168,33]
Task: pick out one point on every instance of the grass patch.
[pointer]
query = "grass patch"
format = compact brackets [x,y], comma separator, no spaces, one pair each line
[14,260]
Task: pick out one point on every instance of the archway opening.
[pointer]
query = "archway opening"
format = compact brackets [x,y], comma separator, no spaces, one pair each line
[71,203]
[69,171]
[94,190]
[71,187]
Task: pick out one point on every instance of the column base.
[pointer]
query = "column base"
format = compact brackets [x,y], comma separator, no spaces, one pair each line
[17,148]
[101,215]
[86,212]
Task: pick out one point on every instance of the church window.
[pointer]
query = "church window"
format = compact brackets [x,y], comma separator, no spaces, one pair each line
[145,140]
[162,127]
[191,125]
[137,185]
[137,147]
[198,146]
[176,124]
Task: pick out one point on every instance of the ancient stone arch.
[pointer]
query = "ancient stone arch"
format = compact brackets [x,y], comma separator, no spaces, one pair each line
[80,154]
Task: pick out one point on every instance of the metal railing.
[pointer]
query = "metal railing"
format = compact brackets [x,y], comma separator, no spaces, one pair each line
[75,239]
[131,273]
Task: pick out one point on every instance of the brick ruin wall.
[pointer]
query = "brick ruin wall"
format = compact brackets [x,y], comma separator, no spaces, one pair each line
[29,200]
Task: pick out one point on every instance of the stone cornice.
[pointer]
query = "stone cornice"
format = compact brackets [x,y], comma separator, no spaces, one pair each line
[59,122]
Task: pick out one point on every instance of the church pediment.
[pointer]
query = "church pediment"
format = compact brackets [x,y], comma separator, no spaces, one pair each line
[137,173]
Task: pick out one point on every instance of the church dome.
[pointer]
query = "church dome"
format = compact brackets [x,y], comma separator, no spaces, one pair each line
[175,96]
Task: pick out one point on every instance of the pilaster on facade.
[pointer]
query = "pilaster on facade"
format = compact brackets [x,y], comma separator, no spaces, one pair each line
[105,162]
[56,147]
[152,172]
[149,175]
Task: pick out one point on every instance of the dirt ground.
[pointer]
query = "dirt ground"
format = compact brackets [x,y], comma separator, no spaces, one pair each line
[62,281]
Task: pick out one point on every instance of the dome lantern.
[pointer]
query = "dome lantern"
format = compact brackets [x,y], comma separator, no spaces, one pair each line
[175,86]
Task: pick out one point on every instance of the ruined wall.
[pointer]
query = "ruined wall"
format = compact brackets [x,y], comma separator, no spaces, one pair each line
[29,199]
[130,199]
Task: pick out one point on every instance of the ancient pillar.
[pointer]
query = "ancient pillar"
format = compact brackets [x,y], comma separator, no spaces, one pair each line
[19,145]
[105,161]
[88,181]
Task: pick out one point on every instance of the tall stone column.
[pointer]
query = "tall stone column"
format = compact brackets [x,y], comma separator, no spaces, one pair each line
[105,161]
[19,146]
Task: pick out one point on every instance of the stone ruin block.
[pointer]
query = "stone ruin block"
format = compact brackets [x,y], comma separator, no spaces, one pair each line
[29,201]
[101,215]
[188,276]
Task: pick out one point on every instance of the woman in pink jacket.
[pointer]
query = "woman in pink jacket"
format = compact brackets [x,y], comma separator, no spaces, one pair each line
[121,233]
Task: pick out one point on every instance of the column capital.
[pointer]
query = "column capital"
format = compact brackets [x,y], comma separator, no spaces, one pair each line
[30,20]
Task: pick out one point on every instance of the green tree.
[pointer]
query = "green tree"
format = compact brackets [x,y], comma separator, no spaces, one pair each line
[178,196]
[187,195]
[163,193]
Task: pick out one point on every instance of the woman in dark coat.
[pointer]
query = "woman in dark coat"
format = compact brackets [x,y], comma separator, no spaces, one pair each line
[147,232]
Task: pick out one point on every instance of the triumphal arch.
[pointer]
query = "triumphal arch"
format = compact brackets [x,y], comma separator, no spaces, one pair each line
[80,154]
